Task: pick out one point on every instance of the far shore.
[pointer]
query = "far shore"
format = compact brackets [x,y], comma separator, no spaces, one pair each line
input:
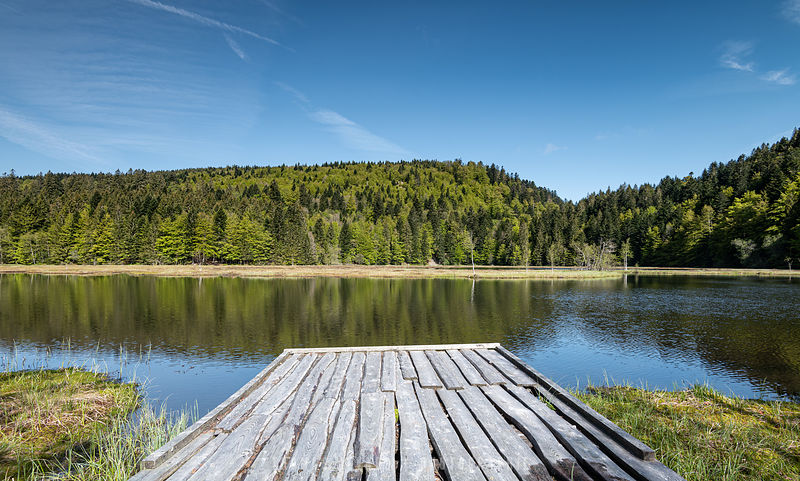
[389,271]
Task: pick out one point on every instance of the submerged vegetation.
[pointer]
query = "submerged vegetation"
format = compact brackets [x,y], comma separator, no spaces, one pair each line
[73,424]
[702,434]
[744,213]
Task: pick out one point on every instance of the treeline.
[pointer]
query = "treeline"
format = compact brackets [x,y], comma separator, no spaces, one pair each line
[744,212]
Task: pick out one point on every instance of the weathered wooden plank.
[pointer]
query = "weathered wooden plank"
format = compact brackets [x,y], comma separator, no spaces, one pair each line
[195,462]
[161,454]
[370,429]
[406,366]
[324,381]
[467,369]
[519,455]
[278,395]
[334,388]
[353,473]
[488,371]
[307,455]
[559,461]
[492,464]
[386,470]
[506,367]
[352,380]
[427,376]
[454,458]
[175,461]
[281,431]
[616,433]
[590,456]
[336,463]
[419,347]
[243,407]
[447,370]
[268,462]
[233,454]
[641,470]
[372,373]
[389,371]
[415,454]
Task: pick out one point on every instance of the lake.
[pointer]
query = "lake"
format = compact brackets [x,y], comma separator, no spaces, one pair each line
[195,341]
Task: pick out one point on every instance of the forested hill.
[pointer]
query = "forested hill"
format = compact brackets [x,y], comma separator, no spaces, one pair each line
[744,212]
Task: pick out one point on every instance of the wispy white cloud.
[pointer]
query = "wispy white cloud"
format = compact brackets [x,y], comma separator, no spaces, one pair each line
[734,55]
[36,137]
[276,9]
[791,10]
[235,47]
[352,134]
[300,96]
[550,148]
[203,20]
[780,77]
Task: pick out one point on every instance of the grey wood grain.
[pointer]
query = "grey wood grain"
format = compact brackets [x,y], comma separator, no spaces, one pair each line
[505,366]
[354,473]
[415,449]
[269,461]
[454,459]
[370,430]
[161,454]
[386,469]
[616,433]
[334,388]
[278,395]
[165,469]
[427,376]
[234,452]
[559,461]
[590,456]
[195,462]
[447,370]
[389,371]
[280,433]
[352,380]
[494,467]
[337,463]
[372,373]
[406,366]
[311,444]
[324,381]
[525,463]
[488,371]
[642,470]
[243,407]
[467,369]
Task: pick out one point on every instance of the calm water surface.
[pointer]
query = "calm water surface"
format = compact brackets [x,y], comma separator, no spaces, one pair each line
[197,341]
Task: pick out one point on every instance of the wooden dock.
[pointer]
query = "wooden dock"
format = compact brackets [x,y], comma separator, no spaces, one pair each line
[448,412]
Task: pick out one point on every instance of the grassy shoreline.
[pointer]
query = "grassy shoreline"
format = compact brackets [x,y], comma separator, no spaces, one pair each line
[702,434]
[382,272]
[76,425]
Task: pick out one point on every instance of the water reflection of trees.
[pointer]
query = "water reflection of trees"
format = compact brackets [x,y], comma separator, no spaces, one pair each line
[739,327]
[256,315]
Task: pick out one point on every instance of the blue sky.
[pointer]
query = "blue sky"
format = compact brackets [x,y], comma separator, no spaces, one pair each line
[576,96]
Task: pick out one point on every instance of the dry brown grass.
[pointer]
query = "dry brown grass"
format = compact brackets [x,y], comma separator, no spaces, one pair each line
[413,272]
